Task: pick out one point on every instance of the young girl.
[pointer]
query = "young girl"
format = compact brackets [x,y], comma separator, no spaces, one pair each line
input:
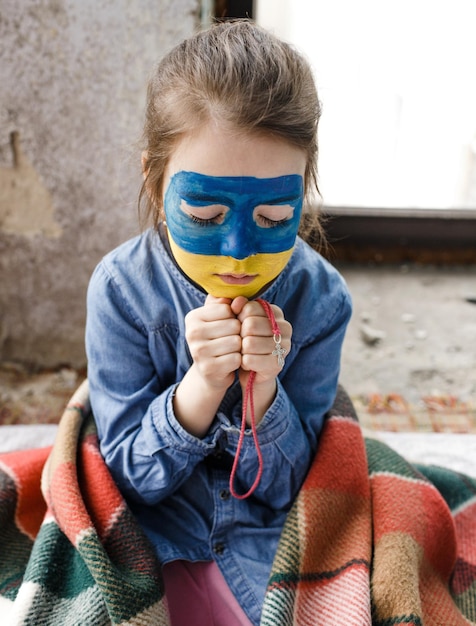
[177,325]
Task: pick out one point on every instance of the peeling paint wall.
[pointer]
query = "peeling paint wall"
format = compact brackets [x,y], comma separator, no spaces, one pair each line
[73,76]
[26,205]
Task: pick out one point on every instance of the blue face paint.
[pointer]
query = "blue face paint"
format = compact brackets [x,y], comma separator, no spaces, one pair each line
[234,216]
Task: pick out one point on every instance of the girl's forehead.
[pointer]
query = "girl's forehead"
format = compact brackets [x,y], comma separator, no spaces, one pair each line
[216,149]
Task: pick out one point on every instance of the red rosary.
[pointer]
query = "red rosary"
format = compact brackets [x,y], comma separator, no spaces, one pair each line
[279,352]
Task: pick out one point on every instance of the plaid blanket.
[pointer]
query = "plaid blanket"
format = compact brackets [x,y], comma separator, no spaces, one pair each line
[371,539]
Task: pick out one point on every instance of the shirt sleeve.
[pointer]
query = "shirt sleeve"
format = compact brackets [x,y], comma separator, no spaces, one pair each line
[148,453]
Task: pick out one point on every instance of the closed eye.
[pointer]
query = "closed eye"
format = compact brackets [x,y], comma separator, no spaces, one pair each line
[205,215]
[205,222]
[265,222]
[272,216]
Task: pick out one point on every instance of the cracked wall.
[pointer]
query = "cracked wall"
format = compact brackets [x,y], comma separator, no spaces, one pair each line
[73,78]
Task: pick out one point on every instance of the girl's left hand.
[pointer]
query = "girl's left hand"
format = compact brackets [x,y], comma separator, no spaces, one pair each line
[257,346]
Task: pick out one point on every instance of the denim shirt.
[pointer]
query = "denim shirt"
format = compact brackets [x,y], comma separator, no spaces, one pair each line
[176,484]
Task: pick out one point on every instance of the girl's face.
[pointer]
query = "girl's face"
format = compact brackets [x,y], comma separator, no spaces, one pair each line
[233,204]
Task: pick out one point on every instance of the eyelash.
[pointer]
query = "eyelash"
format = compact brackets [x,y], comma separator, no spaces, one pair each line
[271,223]
[265,221]
[201,221]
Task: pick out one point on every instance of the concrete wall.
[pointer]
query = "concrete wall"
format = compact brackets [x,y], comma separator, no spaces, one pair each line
[73,75]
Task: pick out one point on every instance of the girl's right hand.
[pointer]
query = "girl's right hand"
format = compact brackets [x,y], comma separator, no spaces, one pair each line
[213,336]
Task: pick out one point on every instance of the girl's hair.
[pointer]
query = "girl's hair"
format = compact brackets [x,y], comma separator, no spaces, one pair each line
[237,73]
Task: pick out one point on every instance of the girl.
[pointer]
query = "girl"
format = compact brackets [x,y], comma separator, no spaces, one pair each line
[178,333]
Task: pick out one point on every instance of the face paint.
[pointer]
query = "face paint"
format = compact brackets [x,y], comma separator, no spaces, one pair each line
[225,277]
[235,216]
[232,235]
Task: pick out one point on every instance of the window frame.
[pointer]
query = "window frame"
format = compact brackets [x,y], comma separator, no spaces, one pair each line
[401,235]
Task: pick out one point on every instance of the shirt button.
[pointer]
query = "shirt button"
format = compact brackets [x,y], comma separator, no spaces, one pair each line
[224,494]
[219,548]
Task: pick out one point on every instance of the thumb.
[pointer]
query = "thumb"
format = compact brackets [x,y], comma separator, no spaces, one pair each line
[238,304]
[214,300]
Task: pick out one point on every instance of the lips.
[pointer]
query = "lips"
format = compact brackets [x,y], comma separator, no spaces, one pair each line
[237,279]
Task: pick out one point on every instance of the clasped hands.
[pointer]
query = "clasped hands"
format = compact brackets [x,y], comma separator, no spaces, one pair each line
[226,336]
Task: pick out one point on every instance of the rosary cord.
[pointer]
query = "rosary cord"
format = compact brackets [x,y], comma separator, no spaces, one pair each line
[248,400]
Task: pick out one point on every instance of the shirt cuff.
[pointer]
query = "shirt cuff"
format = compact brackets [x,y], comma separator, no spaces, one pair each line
[275,422]
[172,434]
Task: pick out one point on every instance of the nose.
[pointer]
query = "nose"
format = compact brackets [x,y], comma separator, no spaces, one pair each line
[238,242]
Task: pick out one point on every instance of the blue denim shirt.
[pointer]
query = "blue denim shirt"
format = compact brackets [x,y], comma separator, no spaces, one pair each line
[175,483]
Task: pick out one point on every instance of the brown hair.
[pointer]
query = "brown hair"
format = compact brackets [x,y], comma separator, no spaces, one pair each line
[238,73]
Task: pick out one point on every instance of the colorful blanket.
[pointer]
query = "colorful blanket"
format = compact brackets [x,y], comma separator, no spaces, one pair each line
[370,539]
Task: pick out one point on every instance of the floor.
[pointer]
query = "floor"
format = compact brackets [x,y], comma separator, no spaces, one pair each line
[413,331]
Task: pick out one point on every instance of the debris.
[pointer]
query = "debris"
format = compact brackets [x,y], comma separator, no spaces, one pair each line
[67,378]
[371,336]
[408,318]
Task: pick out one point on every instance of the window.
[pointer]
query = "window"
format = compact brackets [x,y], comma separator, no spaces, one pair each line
[397,162]
[226,9]
[395,78]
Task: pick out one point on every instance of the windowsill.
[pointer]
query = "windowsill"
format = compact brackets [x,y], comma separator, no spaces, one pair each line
[401,235]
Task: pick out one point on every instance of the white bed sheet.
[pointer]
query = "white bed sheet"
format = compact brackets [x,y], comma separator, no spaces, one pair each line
[23,437]
[455,451]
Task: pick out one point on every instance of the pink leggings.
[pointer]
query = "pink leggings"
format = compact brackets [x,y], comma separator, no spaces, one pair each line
[197,594]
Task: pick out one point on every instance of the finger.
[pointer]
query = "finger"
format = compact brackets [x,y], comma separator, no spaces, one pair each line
[251,309]
[256,326]
[214,300]
[278,314]
[261,346]
[238,303]
[263,354]
[218,356]
[257,345]
[265,366]
[215,371]
[222,346]
[261,327]
[210,312]
[214,329]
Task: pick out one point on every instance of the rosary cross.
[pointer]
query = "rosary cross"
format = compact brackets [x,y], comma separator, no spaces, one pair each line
[278,351]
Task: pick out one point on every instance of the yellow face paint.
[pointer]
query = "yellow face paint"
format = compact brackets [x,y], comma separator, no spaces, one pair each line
[226,277]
